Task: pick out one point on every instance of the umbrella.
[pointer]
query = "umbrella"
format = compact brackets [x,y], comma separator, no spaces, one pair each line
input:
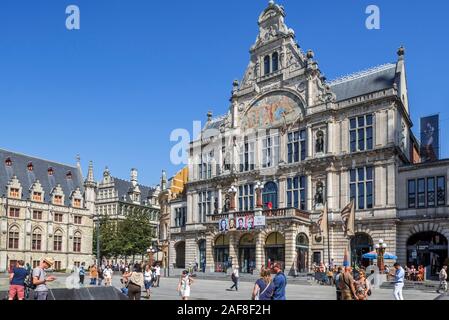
[373,255]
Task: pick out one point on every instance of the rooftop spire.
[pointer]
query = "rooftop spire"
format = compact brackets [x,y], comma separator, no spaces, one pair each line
[90,173]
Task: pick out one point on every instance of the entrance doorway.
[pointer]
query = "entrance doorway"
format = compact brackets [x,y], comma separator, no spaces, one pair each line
[275,249]
[302,253]
[181,255]
[247,253]
[362,243]
[202,254]
[428,249]
[221,253]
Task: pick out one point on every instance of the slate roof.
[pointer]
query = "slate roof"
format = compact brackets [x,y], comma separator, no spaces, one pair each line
[123,187]
[26,178]
[361,83]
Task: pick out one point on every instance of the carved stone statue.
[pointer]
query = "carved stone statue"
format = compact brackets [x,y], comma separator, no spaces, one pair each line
[319,145]
[319,194]
[227,204]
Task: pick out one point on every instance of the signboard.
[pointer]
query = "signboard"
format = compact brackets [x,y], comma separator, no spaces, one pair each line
[259,221]
[430,144]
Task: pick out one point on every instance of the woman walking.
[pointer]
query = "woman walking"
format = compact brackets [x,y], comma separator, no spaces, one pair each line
[148,279]
[135,283]
[184,285]
[93,275]
[264,288]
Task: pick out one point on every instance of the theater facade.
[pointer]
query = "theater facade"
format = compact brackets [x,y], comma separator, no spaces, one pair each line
[292,142]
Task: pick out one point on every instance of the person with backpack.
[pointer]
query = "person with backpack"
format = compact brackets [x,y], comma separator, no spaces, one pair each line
[235,279]
[17,281]
[82,273]
[40,279]
[263,288]
[279,282]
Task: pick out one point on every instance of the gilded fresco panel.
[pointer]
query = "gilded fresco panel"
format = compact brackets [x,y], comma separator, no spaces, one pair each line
[272,111]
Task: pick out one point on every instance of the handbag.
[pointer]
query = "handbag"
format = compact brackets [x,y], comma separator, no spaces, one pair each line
[257,297]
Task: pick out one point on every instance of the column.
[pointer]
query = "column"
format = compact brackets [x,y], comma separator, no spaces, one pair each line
[259,251]
[190,202]
[391,127]
[309,196]
[330,191]
[220,199]
[290,251]
[210,265]
[233,250]
[282,186]
[344,136]
[391,184]
[309,142]
[380,189]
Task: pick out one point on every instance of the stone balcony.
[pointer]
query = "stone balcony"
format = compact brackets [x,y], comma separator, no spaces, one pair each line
[272,214]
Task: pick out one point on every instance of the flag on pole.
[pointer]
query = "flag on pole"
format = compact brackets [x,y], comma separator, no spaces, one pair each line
[323,220]
[348,219]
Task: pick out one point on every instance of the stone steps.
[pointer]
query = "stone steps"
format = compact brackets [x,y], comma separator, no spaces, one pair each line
[410,285]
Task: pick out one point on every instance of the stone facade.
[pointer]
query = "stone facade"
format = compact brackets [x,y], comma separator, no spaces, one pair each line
[45,210]
[307,142]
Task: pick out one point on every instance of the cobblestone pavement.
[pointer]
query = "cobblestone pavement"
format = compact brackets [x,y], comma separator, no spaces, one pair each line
[217,290]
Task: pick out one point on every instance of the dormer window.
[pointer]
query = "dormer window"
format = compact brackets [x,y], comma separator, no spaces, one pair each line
[266,65]
[57,200]
[69,175]
[30,166]
[37,196]
[275,62]
[8,162]
[14,193]
[50,171]
[77,203]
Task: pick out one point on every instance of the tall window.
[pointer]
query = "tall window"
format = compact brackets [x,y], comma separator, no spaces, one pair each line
[441,191]
[296,146]
[14,193]
[412,194]
[246,197]
[77,242]
[204,205]
[361,133]
[37,215]
[14,212]
[296,192]
[57,265]
[13,238]
[266,65]
[431,192]
[37,196]
[36,240]
[421,193]
[275,62]
[270,151]
[78,219]
[181,217]
[247,156]
[361,187]
[57,241]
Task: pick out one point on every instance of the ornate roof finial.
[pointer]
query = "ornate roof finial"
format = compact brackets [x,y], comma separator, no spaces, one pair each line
[401,51]
[271,3]
[310,54]
[78,160]
[209,116]
[90,172]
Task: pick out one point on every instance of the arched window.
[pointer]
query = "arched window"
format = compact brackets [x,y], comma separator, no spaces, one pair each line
[13,238]
[36,240]
[266,64]
[275,62]
[57,241]
[270,196]
[77,242]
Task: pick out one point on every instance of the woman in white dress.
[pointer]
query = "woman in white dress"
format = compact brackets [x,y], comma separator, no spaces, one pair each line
[184,285]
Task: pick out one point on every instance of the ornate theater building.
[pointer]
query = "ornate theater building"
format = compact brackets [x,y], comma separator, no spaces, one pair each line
[292,142]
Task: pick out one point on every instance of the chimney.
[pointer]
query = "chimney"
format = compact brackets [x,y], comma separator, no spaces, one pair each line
[134,177]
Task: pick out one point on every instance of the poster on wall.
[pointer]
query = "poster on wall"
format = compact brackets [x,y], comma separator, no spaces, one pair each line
[430,144]
[259,222]
[223,225]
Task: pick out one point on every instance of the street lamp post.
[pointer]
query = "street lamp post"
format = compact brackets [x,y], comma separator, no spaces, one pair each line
[259,187]
[151,252]
[380,250]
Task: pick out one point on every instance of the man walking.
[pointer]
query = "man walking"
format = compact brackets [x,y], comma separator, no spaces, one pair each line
[279,282]
[398,281]
[235,279]
[443,280]
[40,279]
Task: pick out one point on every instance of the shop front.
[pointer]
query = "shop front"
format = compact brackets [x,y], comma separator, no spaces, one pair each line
[302,253]
[275,249]
[247,253]
[221,253]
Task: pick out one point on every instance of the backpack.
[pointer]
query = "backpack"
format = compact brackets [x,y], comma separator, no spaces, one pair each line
[341,282]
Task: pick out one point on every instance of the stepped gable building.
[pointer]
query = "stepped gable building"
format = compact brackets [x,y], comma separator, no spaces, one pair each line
[301,142]
[116,198]
[46,209]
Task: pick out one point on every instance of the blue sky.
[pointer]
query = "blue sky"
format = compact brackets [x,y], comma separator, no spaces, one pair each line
[137,69]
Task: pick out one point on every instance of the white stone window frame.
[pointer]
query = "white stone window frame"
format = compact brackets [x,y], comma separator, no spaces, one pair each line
[365,128]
